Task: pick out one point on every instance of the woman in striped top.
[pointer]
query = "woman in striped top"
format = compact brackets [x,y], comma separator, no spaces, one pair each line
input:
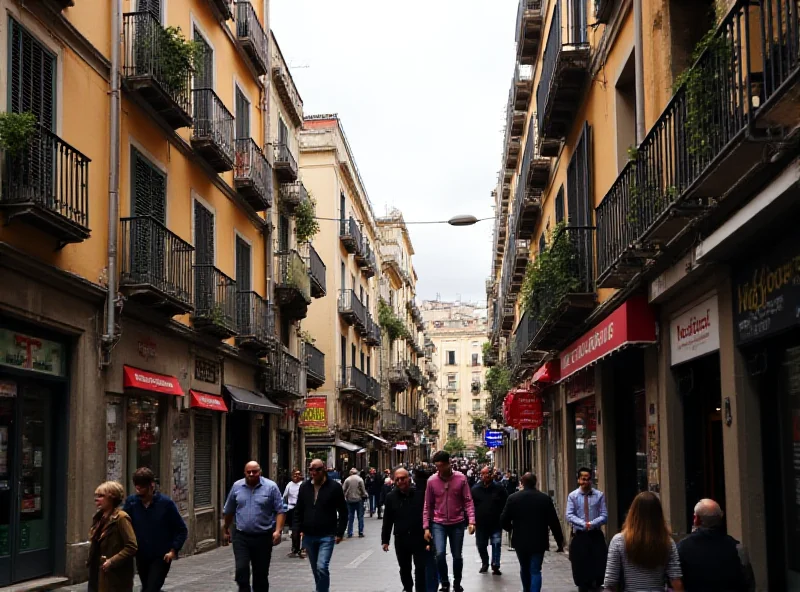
[643,557]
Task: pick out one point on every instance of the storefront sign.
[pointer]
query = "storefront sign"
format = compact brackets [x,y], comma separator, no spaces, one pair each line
[766,294]
[206,370]
[633,322]
[315,415]
[580,386]
[494,438]
[524,410]
[31,353]
[695,332]
[150,381]
[206,401]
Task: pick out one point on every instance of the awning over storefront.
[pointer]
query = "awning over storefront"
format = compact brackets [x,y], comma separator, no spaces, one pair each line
[548,373]
[378,438]
[245,400]
[347,445]
[205,401]
[150,381]
[632,323]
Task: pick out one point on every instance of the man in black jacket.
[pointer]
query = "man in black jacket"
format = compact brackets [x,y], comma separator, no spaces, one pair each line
[528,515]
[320,516]
[710,559]
[374,484]
[489,499]
[403,513]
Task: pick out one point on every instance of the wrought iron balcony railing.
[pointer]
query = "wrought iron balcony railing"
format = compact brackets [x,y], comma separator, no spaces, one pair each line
[350,235]
[398,378]
[354,380]
[46,185]
[223,7]
[351,309]
[292,195]
[156,265]
[251,36]
[153,70]
[285,163]
[214,302]
[293,284]
[394,421]
[252,175]
[529,30]
[212,131]
[316,271]
[315,366]
[373,336]
[414,374]
[282,79]
[287,372]
[255,321]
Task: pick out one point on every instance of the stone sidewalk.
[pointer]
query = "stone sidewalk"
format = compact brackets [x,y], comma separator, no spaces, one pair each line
[358,565]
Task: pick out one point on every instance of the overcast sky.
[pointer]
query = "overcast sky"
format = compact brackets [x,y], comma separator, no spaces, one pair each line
[421,88]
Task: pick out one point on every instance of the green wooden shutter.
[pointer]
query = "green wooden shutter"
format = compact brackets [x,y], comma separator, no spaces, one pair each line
[203,458]
[151,6]
[32,70]
[149,189]
[204,74]
[242,265]
[242,115]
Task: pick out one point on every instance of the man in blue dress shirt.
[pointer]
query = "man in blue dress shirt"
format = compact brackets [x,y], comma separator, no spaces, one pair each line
[257,505]
[586,513]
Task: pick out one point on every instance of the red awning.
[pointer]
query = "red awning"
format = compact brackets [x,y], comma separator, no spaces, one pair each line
[632,323]
[206,401]
[150,381]
[548,372]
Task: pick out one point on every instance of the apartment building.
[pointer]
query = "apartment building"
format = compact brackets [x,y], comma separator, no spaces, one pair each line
[650,149]
[137,305]
[458,331]
[344,322]
[404,417]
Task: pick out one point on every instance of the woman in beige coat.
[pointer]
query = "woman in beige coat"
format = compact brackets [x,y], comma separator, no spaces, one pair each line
[113,543]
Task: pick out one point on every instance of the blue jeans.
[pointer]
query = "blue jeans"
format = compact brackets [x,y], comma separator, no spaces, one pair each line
[320,549]
[482,539]
[373,503]
[530,571]
[431,572]
[354,508]
[441,533]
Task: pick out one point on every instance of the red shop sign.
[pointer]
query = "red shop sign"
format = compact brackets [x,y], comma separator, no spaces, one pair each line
[206,401]
[633,322]
[150,381]
[547,373]
[525,410]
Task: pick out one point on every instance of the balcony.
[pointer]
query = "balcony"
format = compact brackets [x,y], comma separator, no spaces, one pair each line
[252,177]
[396,422]
[490,359]
[521,254]
[315,368]
[513,147]
[285,164]
[523,87]
[46,186]
[529,30]
[352,311]
[523,355]
[155,266]
[284,85]
[251,36]
[508,314]
[255,321]
[475,387]
[223,7]
[214,302]
[292,284]
[212,131]
[414,374]
[369,265]
[292,195]
[564,301]
[153,72]
[565,68]
[373,336]
[350,235]
[286,372]
[355,383]
[317,273]
[398,378]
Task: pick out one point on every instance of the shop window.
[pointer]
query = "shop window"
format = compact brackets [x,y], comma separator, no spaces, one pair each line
[203,453]
[145,418]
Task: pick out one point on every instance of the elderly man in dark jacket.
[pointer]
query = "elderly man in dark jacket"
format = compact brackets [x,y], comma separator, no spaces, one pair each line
[711,560]
[403,513]
[528,515]
[489,499]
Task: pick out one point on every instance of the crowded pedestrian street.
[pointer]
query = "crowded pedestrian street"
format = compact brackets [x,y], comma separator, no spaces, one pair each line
[358,565]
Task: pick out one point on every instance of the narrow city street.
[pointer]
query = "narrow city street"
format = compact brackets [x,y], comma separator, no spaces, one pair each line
[358,565]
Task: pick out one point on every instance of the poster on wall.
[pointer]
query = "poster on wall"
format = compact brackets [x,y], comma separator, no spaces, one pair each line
[695,332]
[31,353]
[315,416]
[113,441]
[180,463]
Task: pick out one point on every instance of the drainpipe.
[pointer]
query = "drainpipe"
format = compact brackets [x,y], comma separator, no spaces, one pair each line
[111,335]
[637,25]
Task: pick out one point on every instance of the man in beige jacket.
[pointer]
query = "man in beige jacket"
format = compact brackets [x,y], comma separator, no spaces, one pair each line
[354,494]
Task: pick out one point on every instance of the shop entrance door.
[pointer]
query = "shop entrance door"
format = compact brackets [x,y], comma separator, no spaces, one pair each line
[238,437]
[26,482]
[699,386]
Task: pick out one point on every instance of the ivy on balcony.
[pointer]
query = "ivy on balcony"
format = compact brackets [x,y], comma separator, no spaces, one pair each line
[395,328]
[306,225]
[550,276]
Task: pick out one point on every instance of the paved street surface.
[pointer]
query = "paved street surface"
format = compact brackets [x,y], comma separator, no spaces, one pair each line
[358,565]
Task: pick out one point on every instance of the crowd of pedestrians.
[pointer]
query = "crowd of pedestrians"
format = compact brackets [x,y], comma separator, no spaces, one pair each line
[427,509]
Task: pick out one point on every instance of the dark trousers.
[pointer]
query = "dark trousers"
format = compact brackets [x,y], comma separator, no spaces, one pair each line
[255,549]
[588,553]
[408,551]
[295,531]
[152,573]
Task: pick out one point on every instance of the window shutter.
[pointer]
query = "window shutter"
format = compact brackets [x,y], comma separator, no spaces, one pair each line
[242,115]
[203,235]
[579,182]
[283,133]
[560,205]
[151,6]
[242,265]
[32,71]
[203,453]
[283,233]
[149,189]
[204,75]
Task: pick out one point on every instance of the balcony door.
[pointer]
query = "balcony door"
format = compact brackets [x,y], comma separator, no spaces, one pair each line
[148,233]
[244,286]
[151,6]
[283,234]
[242,115]
[204,277]
[283,135]
[203,79]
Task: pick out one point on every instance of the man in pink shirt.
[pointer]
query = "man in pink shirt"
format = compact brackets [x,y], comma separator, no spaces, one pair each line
[448,505]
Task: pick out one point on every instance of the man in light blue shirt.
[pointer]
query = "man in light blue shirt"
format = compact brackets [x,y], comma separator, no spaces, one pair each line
[257,504]
[586,513]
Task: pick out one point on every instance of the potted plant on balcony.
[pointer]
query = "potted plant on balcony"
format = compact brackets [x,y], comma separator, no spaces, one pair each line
[389,322]
[551,276]
[305,222]
[16,131]
[306,337]
[178,58]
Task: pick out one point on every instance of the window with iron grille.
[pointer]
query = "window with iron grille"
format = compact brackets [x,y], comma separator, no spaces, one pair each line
[283,233]
[203,453]
[242,115]
[32,72]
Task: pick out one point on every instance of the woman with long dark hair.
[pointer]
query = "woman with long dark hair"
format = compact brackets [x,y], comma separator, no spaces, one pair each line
[643,557]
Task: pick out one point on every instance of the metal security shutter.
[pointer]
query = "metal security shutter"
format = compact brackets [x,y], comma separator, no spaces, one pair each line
[242,116]
[32,70]
[203,452]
